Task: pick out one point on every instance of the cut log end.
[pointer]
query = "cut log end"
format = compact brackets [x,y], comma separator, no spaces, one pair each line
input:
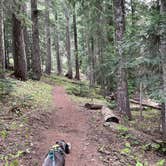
[112,119]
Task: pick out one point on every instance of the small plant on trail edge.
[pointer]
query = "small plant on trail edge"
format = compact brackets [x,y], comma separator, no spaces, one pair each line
[127,149]
[139,164]
[155,146]
[3,134]
[14,163]
[161,163]
[122,129]
[13,157]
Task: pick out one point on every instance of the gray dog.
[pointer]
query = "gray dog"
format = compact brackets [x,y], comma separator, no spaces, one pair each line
[56,155]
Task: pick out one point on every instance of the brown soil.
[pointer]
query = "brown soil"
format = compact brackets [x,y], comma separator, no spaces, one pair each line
[71,124]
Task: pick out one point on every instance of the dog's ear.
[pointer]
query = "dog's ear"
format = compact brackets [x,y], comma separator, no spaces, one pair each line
[67,148]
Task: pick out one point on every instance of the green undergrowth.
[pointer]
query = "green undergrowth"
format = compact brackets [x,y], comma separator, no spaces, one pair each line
[149,123]
[18,101]
[78,90]
[37,93]
[30,94]
[136,150]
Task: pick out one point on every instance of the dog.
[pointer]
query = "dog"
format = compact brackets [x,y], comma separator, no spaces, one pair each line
[56,155]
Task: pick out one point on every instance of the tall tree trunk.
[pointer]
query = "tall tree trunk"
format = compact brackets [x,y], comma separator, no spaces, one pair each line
[163,56]
[36,63]
[122,87]
[58,58]
[27,42]
[91,61]
[6,43]
[68,47]
[2,47]
[77,76]
[110,23]
[48,39]
[20,64]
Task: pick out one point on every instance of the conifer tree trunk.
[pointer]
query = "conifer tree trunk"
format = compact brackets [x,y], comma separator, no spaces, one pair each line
[27,42]
[58,58]
[20,64]
[68,46]
[122,87]
[91,61]
[2,47]
[77,76]
[163,56]
[6,43]
[48,39]
[36,62]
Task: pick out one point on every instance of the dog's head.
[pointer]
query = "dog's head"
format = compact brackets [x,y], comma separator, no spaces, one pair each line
[66,147]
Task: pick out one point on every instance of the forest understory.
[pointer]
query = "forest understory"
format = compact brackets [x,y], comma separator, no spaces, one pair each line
[91,72]
[44,112]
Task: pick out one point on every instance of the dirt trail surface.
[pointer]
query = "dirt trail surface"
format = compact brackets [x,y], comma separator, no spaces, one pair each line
[72,125]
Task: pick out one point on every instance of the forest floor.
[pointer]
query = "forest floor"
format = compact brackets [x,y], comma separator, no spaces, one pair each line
[30,128]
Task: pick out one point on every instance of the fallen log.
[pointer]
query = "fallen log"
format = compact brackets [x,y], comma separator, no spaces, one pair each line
[150,105]
[137,108]
[109,116]
[93,106]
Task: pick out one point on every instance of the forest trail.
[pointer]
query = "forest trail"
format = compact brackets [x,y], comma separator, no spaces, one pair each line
[72,125]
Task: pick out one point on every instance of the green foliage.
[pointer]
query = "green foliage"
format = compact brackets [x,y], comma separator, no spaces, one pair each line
[17,155]
[13,158]
[6,87]
[78,90]
[14,163]
[4,134]
[112,104]
[161,162]
[158,147]
[139,164]
[126,151]
[122,129]
[127,145]
[32,94]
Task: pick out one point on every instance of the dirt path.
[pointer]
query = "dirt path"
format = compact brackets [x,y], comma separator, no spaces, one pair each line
[71,124]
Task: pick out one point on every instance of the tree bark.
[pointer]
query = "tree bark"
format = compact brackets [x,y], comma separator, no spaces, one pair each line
[91,61]
[6,43]
[68,46]
[122,87]
[58,58]
[36,62]
[48,38]
[27,42]
[163,57]
[2,47]
[77,76]
[20,64]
